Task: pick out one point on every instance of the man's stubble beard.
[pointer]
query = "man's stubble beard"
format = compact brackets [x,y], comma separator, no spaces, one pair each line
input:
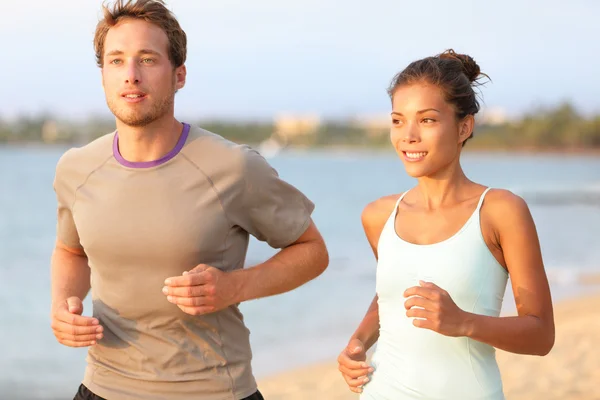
[135,118]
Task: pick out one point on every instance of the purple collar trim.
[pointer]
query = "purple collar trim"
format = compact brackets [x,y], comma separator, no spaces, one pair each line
[147,164]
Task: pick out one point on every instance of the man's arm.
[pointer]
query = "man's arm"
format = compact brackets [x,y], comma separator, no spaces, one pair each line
[206,289]
[291,267]
[70,274]
[270,209]
[70,278]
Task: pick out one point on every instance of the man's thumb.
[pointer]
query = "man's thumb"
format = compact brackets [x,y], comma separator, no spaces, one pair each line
[197,269]
[75,305]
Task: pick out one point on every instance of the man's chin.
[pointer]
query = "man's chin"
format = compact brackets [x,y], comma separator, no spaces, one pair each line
[136,123]
[137,117]
[135,120]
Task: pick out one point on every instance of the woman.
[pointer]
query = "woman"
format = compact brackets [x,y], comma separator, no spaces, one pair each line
[445,249]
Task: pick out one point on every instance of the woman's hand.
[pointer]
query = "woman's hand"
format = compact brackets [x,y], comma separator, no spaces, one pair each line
[433,308]
[353,366]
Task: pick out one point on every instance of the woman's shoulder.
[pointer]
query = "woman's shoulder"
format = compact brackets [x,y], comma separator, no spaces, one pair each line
[504,208]
[503,200]
[378,211]
[375,215]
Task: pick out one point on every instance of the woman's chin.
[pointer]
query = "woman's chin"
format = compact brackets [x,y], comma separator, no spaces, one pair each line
[415,171]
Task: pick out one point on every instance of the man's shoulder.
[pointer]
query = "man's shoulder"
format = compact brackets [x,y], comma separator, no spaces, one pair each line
[212,152]
[81,161]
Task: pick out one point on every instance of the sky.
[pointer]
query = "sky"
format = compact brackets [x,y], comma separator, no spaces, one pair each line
[254,59]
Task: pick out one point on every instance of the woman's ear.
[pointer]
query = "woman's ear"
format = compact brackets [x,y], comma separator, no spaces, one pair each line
[466,126]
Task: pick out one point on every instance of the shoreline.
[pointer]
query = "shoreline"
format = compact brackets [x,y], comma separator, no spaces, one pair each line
[570,372]
[473,149]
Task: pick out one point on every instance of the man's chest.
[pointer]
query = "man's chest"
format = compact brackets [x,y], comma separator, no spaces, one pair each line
[137,219]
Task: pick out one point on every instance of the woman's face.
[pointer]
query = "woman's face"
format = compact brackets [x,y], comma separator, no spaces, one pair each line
[425,131]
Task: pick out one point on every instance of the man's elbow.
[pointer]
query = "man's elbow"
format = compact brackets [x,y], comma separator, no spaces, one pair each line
[321,259]
[63,248]
[318,256]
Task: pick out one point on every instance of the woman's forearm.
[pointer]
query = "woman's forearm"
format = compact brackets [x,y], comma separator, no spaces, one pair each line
[368,330]
[525,334]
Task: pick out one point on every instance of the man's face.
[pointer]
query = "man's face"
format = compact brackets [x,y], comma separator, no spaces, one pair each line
[138,78]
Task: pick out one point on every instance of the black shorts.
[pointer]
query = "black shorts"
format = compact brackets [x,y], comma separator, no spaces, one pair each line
[85,394]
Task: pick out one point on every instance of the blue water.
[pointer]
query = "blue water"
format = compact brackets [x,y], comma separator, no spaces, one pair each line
[313,322]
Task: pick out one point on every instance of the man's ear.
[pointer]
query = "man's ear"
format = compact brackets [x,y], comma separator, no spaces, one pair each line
[180,76]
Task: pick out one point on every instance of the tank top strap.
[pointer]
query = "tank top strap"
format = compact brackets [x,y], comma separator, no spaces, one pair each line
[481,200]
[392,216]
[400,199]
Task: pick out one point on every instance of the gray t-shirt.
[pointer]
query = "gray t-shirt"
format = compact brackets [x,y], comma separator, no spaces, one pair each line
[140,223]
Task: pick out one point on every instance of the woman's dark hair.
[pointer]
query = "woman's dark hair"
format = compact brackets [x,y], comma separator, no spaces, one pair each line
[455,74]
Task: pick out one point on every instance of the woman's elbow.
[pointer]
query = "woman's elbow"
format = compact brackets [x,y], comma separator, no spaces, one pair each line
[549,344]
[546,341]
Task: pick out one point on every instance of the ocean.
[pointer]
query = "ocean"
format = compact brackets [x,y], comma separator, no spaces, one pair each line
[312,323]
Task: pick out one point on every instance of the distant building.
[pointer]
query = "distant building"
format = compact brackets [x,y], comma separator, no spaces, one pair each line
[492,116]
[289,126]
[375,125]
[50,131]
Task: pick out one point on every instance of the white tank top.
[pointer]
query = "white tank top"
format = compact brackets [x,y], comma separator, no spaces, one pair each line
[417,363]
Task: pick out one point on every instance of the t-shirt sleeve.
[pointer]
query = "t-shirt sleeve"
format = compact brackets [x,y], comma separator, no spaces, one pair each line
[266,206]
[64,187]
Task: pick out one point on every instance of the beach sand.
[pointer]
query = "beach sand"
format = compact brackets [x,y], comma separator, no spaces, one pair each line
[570,372]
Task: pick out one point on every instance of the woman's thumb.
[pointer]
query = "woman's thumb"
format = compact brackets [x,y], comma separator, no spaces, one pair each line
[355,346]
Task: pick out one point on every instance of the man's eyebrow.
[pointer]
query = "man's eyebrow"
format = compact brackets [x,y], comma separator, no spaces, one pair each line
[142,51]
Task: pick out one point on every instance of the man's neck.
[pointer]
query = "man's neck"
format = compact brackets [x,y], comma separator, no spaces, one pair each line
[150,142]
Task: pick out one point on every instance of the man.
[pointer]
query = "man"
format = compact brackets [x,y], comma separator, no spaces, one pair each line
[155,218]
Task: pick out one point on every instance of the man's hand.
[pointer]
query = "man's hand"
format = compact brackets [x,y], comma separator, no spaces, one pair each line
[203,290]
[352,365]
[72,329]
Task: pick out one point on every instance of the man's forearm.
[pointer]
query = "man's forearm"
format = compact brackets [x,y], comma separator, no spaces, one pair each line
[70,275]
[285,271]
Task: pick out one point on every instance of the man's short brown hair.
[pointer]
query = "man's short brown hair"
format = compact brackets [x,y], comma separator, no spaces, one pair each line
[153,11]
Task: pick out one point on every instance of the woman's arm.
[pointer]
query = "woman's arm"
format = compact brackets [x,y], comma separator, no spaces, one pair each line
[368,330]
[532,331]
[352,359]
